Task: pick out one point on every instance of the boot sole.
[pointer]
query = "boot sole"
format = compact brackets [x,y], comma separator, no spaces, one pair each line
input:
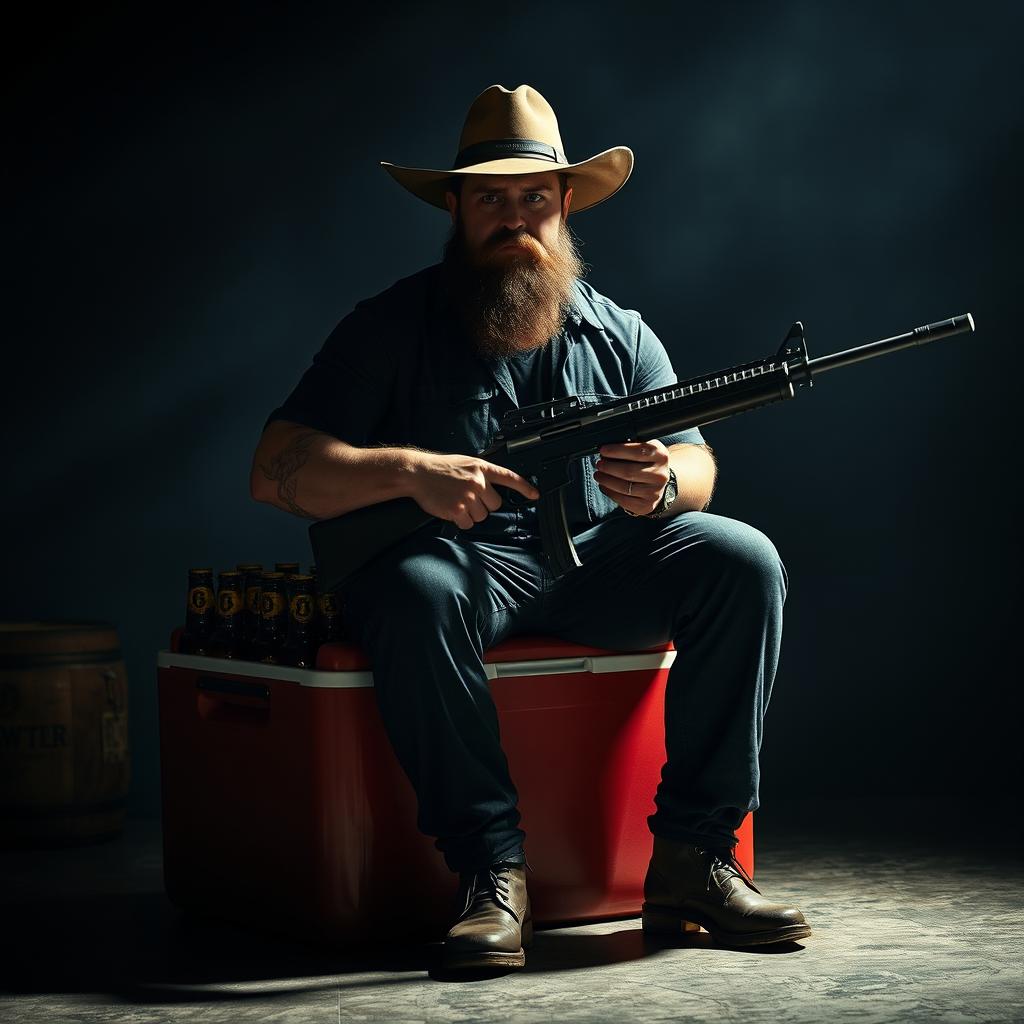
[488,957]
[655,920]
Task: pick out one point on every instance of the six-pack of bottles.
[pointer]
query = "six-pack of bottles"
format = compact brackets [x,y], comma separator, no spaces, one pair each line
[278,617]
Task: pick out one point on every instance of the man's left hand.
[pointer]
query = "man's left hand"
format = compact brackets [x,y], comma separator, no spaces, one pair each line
[634,474]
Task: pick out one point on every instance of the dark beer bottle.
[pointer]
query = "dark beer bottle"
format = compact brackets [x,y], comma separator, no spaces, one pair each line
[251,588]
[199,612]
[300,648]
[273,626]
[228,640]
[329,613]
[318,625]
[288,568]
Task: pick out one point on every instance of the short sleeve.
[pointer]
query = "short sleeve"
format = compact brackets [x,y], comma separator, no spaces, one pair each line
[653,369]
[347,390]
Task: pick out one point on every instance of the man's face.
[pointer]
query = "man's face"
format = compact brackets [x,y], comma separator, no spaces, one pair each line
[526,208]
[511,260]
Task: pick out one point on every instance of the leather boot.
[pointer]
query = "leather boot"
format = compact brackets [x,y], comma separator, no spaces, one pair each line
[494,927]
[687,886]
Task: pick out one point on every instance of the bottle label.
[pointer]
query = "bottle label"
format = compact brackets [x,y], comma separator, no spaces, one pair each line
[271,604]
[328,605]
[229,602]
[301,608]
[252,598]
[200,600]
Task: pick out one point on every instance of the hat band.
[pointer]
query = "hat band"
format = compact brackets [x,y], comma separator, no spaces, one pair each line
[496,149]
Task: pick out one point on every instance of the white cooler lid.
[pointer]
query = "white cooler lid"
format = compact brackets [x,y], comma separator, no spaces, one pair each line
[344,679]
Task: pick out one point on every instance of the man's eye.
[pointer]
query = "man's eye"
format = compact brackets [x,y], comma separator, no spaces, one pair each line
[491,195]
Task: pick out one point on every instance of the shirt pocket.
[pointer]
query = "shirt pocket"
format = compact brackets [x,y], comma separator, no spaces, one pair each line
[459,422]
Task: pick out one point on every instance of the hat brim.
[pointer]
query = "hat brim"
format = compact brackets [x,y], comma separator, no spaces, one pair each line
[592,180]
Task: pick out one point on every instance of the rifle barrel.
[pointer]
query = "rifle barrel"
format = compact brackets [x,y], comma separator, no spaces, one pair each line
[918,336]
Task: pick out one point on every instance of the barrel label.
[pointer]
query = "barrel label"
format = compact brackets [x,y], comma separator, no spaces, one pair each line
[302,608]
[34,736]
[229,602]
[37,742]
[271,604]
[115,737]
[200,599]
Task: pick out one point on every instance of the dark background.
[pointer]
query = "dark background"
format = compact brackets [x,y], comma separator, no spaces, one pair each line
[197,201]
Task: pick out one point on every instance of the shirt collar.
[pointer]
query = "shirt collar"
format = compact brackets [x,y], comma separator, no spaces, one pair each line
[582,310]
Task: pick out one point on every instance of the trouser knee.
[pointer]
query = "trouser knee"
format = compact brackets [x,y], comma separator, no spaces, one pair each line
[748,556]
[763,563]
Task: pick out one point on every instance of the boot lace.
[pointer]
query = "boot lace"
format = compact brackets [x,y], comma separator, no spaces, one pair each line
[725,858]
[491,885]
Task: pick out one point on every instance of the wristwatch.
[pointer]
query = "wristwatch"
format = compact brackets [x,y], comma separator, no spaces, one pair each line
[667,498]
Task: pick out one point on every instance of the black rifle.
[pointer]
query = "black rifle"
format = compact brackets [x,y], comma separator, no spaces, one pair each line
[540,441]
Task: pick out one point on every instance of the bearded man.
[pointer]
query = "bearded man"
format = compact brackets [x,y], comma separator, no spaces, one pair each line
[406,389]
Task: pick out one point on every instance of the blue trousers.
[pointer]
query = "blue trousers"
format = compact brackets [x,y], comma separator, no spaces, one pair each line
[428,609]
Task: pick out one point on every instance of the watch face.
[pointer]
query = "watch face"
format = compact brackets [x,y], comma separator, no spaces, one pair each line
[671,489]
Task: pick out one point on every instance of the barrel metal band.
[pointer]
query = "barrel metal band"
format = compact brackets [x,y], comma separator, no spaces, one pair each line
[65,659]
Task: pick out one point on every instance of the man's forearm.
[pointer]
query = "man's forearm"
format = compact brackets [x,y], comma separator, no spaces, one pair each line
[696,472]
[316,476]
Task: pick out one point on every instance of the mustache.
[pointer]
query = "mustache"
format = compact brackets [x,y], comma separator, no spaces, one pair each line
[513,236]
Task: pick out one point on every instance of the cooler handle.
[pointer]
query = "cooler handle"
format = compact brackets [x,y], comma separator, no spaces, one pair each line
[541,667]
[230,700]
[588,663]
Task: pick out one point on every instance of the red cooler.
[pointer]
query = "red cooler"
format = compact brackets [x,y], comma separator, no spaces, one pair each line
[284,806]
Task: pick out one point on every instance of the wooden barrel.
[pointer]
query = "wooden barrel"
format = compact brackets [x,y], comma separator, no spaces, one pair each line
[64,762]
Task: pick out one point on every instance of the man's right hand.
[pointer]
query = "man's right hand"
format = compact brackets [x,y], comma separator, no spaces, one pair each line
[461,488]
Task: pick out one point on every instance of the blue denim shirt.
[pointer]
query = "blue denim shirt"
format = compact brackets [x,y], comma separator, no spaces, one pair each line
[400,370]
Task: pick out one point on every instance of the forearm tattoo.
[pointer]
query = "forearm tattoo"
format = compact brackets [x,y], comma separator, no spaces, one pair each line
[283,467]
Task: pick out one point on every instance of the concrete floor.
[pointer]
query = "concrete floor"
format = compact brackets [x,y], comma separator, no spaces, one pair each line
[909,924]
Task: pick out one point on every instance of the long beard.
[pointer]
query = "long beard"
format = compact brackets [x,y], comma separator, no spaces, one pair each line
[511,301]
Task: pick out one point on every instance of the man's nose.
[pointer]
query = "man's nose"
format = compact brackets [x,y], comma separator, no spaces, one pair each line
[512,218]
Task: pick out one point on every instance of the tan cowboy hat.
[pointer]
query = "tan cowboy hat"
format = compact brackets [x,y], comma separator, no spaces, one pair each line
[516,132]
